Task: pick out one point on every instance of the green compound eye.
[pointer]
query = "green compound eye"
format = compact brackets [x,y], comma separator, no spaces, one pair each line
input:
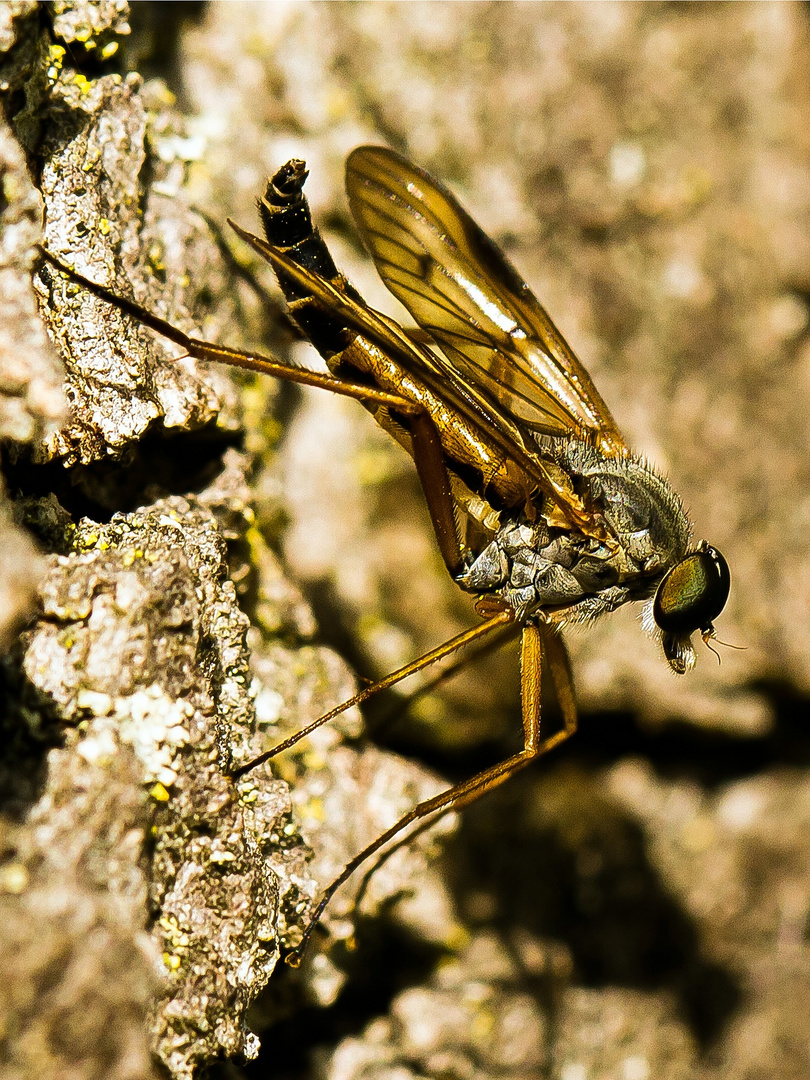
[692,593]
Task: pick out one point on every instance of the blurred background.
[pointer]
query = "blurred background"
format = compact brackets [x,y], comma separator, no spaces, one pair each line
[638,905]
[647,169]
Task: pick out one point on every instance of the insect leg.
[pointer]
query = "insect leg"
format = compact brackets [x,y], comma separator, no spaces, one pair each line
[503,618]
[428,458]
[470,656]
[556,656]
[536,645]
[533,642]
[234,264]
[204,350]
[562,678]
[428,454]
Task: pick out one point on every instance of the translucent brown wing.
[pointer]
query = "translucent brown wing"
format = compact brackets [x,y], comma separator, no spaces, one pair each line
[496,337]
[501,432]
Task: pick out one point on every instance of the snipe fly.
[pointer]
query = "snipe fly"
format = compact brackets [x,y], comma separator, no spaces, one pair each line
[539,508]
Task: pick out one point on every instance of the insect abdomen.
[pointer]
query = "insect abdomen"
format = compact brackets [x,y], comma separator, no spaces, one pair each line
[287,224]
[480,468]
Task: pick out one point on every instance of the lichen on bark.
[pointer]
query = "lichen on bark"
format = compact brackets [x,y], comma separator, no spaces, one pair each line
[158,891]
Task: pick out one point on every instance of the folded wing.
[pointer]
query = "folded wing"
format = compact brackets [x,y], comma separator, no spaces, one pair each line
[497,339]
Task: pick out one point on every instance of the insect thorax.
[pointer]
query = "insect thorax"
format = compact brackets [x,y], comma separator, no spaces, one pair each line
[539,568]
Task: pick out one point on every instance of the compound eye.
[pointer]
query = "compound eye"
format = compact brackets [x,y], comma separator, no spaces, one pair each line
[693,592]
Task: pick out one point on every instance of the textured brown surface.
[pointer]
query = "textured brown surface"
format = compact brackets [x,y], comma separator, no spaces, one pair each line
[145,894]
[646,169]
[32,403]
[636,908]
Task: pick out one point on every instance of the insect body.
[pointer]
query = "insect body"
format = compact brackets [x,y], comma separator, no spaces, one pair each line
[538,506]
[580,526]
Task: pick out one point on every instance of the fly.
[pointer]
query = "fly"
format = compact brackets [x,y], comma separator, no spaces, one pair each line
[540,509]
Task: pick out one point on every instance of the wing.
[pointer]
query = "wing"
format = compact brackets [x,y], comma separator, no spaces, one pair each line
[500,432]
[497,338]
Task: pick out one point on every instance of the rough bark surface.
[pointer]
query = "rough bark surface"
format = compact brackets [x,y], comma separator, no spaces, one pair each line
[638,906]
[146,895]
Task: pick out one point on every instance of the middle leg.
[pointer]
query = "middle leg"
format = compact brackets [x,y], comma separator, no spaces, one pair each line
[501,619]
[533,641]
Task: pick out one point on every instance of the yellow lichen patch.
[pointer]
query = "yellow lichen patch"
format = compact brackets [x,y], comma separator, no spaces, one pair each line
[156,257]
[82,83]
[159,793]
[313,810]
[56,56]
[13,878]
[457,939]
